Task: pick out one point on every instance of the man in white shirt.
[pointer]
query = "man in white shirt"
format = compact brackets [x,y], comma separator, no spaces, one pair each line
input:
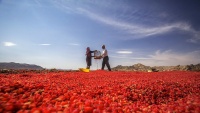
[105,58]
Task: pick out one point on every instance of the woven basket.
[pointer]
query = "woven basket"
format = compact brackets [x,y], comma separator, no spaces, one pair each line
[97,55]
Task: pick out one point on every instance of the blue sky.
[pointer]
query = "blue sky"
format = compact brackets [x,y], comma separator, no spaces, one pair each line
[55,33]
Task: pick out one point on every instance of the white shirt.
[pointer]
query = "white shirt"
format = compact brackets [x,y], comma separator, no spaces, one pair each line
[104,53]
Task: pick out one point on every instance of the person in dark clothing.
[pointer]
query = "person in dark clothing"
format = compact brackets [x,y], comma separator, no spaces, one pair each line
[105,59]
[89,57]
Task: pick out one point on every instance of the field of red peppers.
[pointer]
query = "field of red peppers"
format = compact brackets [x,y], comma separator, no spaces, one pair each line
[100,92]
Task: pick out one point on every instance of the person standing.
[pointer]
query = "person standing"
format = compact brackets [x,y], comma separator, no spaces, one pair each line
[105,58]
[89,57]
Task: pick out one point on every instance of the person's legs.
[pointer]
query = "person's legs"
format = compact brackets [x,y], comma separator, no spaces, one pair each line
[103,64]
[107,64]
[88,60]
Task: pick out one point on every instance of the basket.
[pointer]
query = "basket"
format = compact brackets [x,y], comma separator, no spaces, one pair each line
[97,55]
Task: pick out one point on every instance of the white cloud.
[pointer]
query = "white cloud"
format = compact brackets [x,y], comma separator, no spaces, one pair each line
[124,52]
[174,58]
[195,38]
[9,44]
[130,57]
[45,44]
[137,30]
[142,31]
[161,58]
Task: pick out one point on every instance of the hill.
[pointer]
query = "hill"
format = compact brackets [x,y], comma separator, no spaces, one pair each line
[141,67]
[17,66]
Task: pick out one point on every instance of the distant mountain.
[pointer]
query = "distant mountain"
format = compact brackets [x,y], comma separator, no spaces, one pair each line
[17,66]
[141,67]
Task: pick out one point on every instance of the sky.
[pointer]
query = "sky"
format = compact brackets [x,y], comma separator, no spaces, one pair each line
[56,33]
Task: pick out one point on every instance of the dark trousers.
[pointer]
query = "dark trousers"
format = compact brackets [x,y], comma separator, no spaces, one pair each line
[105,62]
[89,62]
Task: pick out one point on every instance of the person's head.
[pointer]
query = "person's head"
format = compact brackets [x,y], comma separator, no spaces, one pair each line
[88,48]
[103,46]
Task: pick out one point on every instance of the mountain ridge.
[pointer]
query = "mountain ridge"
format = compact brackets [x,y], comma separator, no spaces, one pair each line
[141,67]
[18,66]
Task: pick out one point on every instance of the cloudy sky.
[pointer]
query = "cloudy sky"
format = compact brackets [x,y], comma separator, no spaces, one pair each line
[55,33]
